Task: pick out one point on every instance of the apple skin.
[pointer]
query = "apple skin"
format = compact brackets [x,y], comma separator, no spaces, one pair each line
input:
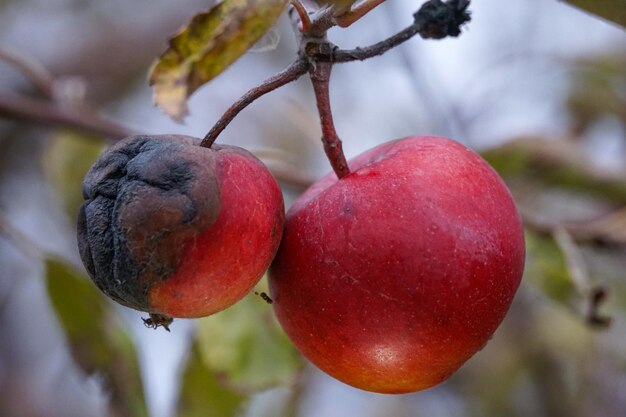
[390,278]
[176,229]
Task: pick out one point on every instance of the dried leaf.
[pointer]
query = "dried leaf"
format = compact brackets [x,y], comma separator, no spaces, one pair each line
[207,46]
[612,10]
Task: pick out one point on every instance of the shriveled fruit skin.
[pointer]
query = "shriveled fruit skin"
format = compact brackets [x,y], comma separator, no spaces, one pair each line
[176,229]
[392,277]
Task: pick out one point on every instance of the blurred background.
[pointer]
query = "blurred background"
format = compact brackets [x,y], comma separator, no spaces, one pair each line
[538,87]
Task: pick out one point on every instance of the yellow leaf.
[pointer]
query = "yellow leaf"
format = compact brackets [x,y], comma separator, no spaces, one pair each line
[207,46]
[612,10]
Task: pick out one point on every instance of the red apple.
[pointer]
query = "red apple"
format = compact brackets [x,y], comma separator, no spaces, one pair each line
[176,229]
[390,278]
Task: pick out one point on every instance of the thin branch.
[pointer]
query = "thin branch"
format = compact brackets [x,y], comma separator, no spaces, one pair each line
[303,14]
[609,228]
[291,73]
[434,20]
[594,296]
[310,5]
[19,239]
[360,54]
[576,266]
[33,71]
[320,77]
[44,113]
[357,12]
[31,110]
[321,21]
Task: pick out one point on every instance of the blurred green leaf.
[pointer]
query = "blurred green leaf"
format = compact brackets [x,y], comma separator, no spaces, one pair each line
[202,395]
[567,273]
[535,160]
[98,342]
[246,346]
[66,160]
[207,46]
[612,10]
[546,268]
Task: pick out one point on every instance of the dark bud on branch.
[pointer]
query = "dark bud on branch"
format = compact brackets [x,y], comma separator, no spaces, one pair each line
[438,19]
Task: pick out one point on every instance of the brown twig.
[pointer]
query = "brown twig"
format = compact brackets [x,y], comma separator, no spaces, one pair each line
[42,112]
[321,21]
[592,295]
[434,20]
[303,14]
[609,228]
[19,239]
[360,54]
[32,70]
[49,114]
[360,10]
[291,73]
[320,77]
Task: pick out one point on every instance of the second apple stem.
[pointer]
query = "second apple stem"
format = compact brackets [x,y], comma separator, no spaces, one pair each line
[320,77]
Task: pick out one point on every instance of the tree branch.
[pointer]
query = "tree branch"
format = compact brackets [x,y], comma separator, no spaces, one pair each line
[434,20]
[19,239]
[32,70]
[357,12]
[321,21]
[360,54]
[593,295]
[320,77]
[303,14]
[20,108]
[291,73]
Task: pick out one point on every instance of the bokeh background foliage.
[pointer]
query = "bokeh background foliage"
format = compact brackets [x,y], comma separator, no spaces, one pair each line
[560,352]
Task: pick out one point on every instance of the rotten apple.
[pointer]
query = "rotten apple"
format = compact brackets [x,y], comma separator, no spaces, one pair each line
[393,276]
[176,229]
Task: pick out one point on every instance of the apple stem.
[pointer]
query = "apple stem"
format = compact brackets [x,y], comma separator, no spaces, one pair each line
[289,74]
[320,77]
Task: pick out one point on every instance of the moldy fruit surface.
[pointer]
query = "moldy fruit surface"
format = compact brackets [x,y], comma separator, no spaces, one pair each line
[390,278]
[175,229]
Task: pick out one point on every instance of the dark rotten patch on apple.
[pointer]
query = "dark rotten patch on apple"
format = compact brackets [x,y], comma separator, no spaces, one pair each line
[143,202]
